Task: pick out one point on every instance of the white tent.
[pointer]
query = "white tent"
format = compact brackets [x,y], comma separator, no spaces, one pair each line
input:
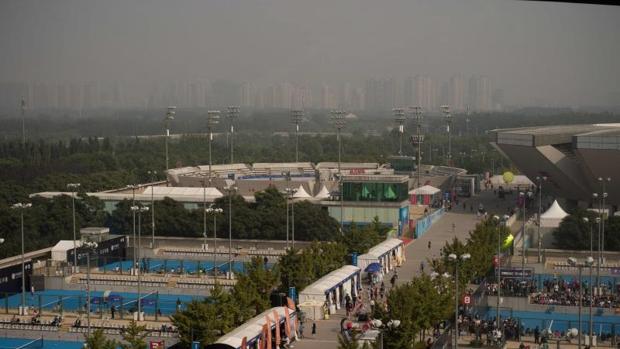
[59,251]
[553,216]
[301,193]
[253,328]
[334,285]
[381,254]
[323,193]
[424,190]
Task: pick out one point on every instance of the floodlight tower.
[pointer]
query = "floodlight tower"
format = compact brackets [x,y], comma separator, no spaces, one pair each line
[169,117]
[213,118]
[23,112]
[232,113]
[400,118]
[297,116]
[418,138]
[338,118]
[445,109]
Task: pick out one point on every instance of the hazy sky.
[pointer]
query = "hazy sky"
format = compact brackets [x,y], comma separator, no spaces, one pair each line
[537,52]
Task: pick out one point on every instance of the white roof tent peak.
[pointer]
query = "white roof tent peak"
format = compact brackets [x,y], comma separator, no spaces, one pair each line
[425,190]
[555,211]
[301,193]
[323,193]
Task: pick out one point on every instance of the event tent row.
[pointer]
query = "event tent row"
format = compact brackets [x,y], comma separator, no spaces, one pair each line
[389,253]
[260,329]
[330,290]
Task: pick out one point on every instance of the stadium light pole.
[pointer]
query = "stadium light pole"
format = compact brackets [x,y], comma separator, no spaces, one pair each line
[501,222]
[23,113]
[90,247]
[232,113]
[215,211]
[457,260]
[140,209]
[152,173]
[74,187]
[170,114]
[400,118]
[445,109]
[418,139]
[297,116]
[338,118]
[231,191]
[133,188]
[287,176]
[603,181]
[290,192]
[540,180]
[524,196]
[213,118]
[21,207]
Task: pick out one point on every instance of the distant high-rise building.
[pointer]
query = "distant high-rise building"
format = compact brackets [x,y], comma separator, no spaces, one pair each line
[248,91]
[425,92]
[357,99]
[408,92]
[480,93]
[456,93]
[327,100]
[498,99]
[62,96]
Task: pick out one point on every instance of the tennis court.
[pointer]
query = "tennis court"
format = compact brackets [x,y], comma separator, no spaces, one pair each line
[176,266]
[24,343]
[72,300]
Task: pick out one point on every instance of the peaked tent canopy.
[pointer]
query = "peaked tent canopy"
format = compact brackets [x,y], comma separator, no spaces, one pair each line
[553,216]
[323,193]
[301,193]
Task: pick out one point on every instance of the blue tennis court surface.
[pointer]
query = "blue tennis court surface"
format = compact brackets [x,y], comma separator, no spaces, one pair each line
[72,300]
[176,266]
[11,343]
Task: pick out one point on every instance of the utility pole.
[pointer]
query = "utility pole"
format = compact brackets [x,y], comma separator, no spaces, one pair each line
[540,179]
[400,118]
[418,140]
[445,109]
[169,117]
[152,173]
[232,114]
[213,118]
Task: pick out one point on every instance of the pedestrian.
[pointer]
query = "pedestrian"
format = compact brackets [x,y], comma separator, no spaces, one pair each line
[313,328]
[301,330]
[32,290]
[178,304]
[422,266]
[536,335]
[112,311]
[429,245]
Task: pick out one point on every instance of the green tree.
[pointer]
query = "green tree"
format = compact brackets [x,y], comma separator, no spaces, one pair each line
[97,340]
[134,336]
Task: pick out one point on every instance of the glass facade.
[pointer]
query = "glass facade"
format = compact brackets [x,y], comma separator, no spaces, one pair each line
[374,191]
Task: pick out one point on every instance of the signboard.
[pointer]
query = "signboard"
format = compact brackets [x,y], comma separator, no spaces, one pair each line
[357,171]
[195,345]
[614,271]
[467,300]
[516,273]
[11,277]
[115,247]
[157,345]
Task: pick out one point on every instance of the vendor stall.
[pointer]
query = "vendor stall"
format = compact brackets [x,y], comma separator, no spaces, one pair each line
[331,290]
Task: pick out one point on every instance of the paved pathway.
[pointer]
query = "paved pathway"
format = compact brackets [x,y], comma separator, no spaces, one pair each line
[417,251]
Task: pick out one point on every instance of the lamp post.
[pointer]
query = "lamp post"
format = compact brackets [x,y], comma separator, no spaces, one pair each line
[90,247]
[445,109]
[400,118]
[232,113]
[457,260]
[502,223]
[524,196]
[133,188]
[290,192]
[170,113]
[599,223]
[338,118]
[152,173]
[603,181]
[75,187]
[231,191]
[588,263]
[139,209]
[297,116]
[215,211]
[287,176]
[213,118]
[392,324]
[21,207]
[418,140]
[540,180]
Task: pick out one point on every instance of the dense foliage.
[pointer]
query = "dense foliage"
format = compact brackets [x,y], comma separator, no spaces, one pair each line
[574,232]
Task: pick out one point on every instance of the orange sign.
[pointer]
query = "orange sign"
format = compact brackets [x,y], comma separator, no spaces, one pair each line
[244,343]
[287,322]
[276,318]
[156,345]
[268,324]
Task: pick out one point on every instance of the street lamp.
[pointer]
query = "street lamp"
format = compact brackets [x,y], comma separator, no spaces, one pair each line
[133,188]
[540,180]
[524,196]
[419,138]
[289,194]
[599,222]
[457,260]
[23,112]
[338,118]
[232,113]
[139,209]
[170,113]
[602,182]
[502,223]
[445,109]
[213,118]
[21,207]
[90,247]
[75,187]
[215,211]
[287,176]
[230,191]
[152,173]
[400,118]
[572,261]
[392,324]
[297,116]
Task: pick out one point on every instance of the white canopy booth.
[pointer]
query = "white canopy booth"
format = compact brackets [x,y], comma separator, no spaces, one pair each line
[390,253]
[252,329]
[59,251]
[423,195]
[331,290]
[553,216]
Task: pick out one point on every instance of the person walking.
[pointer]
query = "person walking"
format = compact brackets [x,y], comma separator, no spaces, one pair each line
[112,311]
[429,245]
[313,329]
